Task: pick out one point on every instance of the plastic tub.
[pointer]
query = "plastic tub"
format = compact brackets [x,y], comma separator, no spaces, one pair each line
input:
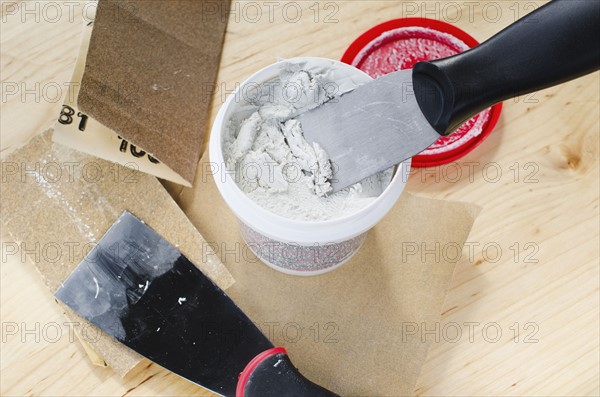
[287,245]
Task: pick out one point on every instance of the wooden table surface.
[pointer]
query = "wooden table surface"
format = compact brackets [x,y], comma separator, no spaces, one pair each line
[521,316]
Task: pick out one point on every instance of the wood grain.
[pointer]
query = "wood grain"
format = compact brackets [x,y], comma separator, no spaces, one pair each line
[534,268]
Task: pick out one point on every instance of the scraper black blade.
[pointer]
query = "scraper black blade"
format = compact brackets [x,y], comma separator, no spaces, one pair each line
[142,291]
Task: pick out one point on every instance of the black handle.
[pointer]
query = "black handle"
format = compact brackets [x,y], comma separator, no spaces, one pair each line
[276,376]
[553,44]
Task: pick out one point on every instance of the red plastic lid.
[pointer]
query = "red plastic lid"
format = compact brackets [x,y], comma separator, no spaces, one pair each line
[399,44]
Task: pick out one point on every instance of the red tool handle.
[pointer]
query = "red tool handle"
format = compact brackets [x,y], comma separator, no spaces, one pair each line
[272,374]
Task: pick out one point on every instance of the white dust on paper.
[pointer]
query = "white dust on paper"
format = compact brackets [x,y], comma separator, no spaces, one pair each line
[52,191]
[58,172]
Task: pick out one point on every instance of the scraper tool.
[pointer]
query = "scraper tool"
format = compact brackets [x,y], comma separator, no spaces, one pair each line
[142,291]
[398,115]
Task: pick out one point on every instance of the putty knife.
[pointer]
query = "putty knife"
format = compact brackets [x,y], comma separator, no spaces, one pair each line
[396,116]
[142,291]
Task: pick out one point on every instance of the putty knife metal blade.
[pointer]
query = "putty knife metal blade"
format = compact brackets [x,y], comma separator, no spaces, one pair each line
[396,116]
[139,289]
[370,129]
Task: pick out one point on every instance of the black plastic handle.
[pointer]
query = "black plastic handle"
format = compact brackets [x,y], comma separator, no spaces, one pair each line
[276,376]
[557,42]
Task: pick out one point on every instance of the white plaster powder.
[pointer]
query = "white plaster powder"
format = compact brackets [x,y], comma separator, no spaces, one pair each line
[274,165]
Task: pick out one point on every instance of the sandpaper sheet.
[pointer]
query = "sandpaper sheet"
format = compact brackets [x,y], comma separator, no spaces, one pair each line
[351,330]
[57,202]
[82,132]
[150,71]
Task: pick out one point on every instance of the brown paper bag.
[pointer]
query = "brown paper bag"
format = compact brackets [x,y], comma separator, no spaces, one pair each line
[351,330]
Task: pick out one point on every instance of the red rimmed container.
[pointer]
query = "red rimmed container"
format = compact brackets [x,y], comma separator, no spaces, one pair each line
[399,44]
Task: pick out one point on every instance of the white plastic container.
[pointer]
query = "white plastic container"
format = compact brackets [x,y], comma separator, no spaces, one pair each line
[293,246]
